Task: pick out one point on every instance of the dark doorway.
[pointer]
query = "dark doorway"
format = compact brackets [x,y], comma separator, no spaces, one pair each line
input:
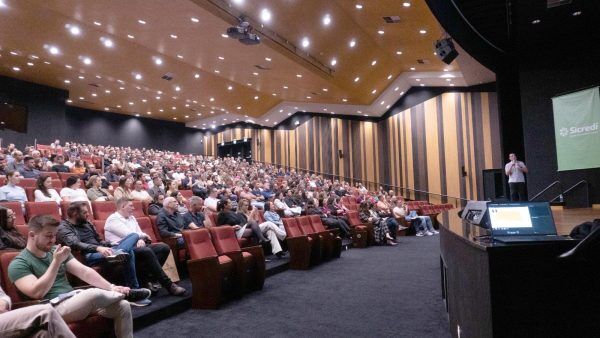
[237,148]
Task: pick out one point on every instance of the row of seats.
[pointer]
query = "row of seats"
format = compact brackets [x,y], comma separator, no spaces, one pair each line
[219,268]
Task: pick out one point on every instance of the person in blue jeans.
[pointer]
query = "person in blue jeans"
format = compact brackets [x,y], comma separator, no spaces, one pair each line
[79,234]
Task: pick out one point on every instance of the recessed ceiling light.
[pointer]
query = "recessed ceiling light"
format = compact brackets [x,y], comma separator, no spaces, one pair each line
[130,36]
[406,4]
[94,94]
[268,59]
[158,61]
[177,88]
[138,76]
[298,75]
[265,15]
[81,77]
[380,32]
[34,56]
[97,23]
[179,56]
[327,19]
[46,62]
[174,118]
[382,103]
[225,36]
[345,100]
[229,87]
[194,19]
[30,64]
[137,115]
[308,97]
[82,98]
[356,79]
[108,43]
[418,80]
[576,13]
[106,108]
[131,103]
[398,52]
[53,50]
[358,6]
[448,80]
[161,110]
[396,89]
[69,101]
[144,100]
[325,89]
[16,69]
[187,116]
[446,69]
[239,107]
[536,21]
[196,76]
[249,84]
[333,62]
[373,63]
[149,112]
[389,77]
[173,36]
[173,108]
[217,71]
[13,53]
[221,58]
[374,91]
[256,97]
[412,68]
[73,29]
[305,42]
[141,21]
[352,43]
[86,60]
[388,106]
[212,99]
[452,85]
[422,85]
[366,115]
[67,81]
[422,31]
[122,88]
[285,87]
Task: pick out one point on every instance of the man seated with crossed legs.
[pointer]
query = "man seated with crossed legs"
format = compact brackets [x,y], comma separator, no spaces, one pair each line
[39,272]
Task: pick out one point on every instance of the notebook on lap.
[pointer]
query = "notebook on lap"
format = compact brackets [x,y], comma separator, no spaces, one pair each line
[522,222]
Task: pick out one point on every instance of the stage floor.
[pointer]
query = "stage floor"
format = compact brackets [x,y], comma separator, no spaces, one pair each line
[567,219]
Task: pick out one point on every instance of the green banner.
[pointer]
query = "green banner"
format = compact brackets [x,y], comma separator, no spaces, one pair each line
[576,128]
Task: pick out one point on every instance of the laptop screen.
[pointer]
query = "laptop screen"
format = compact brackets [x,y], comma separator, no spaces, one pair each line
[521,218]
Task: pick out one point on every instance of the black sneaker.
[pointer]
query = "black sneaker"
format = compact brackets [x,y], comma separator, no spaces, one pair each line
[136,295]
[118,257]
[280,254]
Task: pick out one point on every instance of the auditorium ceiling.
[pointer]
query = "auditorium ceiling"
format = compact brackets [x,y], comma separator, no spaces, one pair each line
[171,60]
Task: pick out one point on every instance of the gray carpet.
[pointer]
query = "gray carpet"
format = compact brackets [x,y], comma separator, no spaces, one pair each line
[372,292]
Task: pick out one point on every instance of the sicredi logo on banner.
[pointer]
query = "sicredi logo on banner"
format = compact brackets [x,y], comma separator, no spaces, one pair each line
[579,131]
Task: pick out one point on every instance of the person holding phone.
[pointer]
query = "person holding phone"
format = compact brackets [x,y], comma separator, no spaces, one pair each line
[516,170]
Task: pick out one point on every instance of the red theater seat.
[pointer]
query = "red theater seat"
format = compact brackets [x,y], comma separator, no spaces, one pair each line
[186,193]
[64,176]
[331,236]
[249,262]
[16,207]
[361,233]
[321,250]
[138,209]
[27,183]
[103,209]
[99,225]
[299,245]
[42,208]
[52,174]
[180,254]
[212,276]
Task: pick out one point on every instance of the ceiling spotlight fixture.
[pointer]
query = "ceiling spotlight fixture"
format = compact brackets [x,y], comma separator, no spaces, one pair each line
[398,53]
[108,43]
[305,42]
[358,6]
[373,63]
[158,61]
[173,36]
[67,81]
[196,76]
[298,75]
[333,62]
[16,69]
[389,77]
[422,31]
[179,56]
[141,21]
[256,97]
[374,91]
[130,36]
[356,79]
[352,43]
[97,23]
[138,76]
[243,32]
[412,68]
[268,59]
[577,13]
[536,21]
[406,4]
[194,19]
[229,87]
[86,60]
[73,29]
[380,32]
[265,15]
[53,50]
[177,88]
[327,19]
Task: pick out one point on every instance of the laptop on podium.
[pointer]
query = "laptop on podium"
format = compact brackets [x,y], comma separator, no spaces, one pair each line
[522,222]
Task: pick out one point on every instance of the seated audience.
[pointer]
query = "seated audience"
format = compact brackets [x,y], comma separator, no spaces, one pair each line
[10,238]
[385,213]
[170,222]
[211,201]
[239,222]
[39,272]
[73,192]
[3,168]
[41,321]
[172,186]
[275,232]
[79,234]
[45,192]
[138,193]
[156,205]
[15,163]
[11,192]
[280,204]
[95,192]
[124,188]
[194,217]
[422,224]
[181,207]
[381,231]
[78,168]
[149,256]
[28,169]
[330,221]
[59,165]
[157,186]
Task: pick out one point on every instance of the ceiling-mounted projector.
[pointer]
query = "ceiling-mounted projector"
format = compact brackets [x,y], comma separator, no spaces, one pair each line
[243,33]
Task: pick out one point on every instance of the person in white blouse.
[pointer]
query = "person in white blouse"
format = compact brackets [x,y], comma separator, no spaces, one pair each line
[138,192]
[73,192]
[45,192]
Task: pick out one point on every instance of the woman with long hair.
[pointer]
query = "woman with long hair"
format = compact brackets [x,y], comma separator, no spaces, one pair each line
[95,191]
[124,188]
[380,229]
[44,191]
[238,220]
[10,238]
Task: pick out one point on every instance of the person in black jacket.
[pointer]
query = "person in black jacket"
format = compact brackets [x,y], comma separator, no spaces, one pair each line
[170,222]
[78,233]
[239,221]
[331,222]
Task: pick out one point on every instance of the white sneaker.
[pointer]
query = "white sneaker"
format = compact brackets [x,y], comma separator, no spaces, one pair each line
[435,232]
[420,234]
[429,233]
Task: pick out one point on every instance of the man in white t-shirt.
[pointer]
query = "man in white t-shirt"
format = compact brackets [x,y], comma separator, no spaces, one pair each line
[516,170]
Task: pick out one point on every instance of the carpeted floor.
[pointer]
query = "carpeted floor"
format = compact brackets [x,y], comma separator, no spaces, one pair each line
[373,292]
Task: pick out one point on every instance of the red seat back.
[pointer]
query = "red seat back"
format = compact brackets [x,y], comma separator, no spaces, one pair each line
[52,174]
[57,184]
[304,224]
[146,226]
[212,217]
[27,182]
[315,221]
[103,209]
[10,288]
[224,240]
[354,218]
[23,229]
[42,208]
[2,180]
[30,193]
[64,176]
[99,224]
[138,210]
[16,207]
[145,205]
[292,228]
[199,243]
[186,193]
[261,216]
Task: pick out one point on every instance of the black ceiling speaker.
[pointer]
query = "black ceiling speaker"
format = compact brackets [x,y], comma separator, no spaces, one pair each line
[444,48]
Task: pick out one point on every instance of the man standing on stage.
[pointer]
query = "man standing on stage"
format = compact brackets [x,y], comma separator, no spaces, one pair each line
[515,171]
